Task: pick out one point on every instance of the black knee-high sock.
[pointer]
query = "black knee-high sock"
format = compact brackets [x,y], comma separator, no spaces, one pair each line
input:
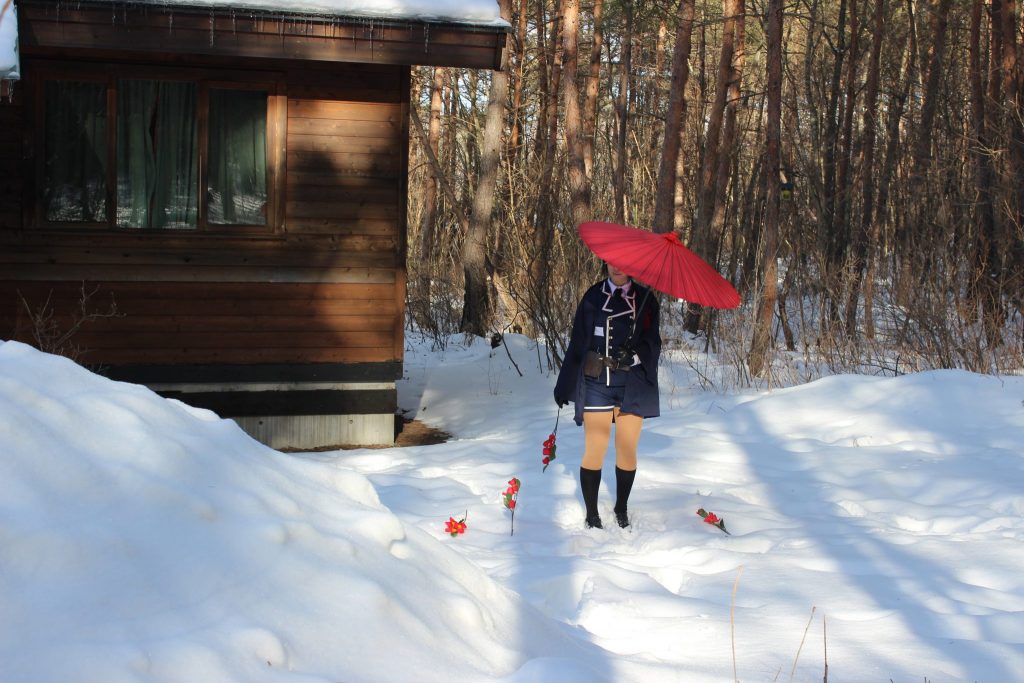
[590,482]
[623,485]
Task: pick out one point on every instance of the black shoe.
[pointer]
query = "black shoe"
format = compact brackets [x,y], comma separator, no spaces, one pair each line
[622,519]
[594,522]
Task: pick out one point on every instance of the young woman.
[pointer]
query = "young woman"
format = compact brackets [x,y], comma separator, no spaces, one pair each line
[610,373]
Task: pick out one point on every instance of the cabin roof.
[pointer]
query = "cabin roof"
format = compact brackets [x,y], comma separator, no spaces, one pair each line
[464,33]
[482,13]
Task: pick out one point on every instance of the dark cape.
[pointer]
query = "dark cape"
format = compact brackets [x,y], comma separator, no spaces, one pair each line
[641,382]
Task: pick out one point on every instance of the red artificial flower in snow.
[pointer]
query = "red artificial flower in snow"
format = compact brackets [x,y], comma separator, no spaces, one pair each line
[548,451]
[455,527]
[712,519]
[509,497]
[511,493]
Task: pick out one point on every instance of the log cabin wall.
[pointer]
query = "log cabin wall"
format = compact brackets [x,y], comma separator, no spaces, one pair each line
[295,328]
[295,331]
[10,157]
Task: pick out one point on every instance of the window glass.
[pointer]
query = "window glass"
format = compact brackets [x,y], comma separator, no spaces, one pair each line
[75,168]
[157,160]
[237,174]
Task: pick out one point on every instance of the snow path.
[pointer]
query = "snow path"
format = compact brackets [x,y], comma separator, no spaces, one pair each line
[147,541]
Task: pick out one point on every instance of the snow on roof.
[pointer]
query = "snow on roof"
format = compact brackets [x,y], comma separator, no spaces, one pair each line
[9,68]
[483,13]
[474,12]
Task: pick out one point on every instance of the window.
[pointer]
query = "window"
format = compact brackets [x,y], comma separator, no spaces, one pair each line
[139,164]
[237,177]
[157,155]
[75,182]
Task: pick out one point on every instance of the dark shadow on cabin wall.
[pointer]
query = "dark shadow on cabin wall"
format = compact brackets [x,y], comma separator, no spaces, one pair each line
[319,301]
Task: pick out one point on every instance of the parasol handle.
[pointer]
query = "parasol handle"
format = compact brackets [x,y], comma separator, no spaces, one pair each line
[636,318]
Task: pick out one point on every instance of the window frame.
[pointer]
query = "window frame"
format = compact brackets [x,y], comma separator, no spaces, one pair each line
[276,125]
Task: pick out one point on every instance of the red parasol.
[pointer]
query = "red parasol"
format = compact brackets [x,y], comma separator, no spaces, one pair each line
[661,261]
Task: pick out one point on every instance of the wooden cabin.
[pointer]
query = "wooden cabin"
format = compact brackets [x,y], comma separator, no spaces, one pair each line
[217,194]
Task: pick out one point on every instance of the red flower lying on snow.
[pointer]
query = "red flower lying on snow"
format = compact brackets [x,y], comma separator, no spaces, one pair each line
[549,450]
[454,527]
[713,519]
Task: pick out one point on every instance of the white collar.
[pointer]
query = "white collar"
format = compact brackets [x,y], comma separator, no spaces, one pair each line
[627,295]
[625,288]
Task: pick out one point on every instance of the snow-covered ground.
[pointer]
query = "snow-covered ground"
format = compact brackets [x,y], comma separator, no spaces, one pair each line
[143,540]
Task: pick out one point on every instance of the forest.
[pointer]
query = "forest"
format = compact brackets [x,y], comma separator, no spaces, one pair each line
[853,167]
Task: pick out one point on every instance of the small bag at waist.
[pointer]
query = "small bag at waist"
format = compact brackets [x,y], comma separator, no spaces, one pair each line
[593,364]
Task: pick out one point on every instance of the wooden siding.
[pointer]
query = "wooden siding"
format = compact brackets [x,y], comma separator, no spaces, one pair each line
[123,27]
[327,287]
[175,323]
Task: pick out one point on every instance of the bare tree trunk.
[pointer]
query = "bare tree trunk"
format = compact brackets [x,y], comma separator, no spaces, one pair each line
[922,158]
[429,216]
[679,214]
[546,144]
[727,147]
[659,80]
[712,141]
[517,90]
[664,202]
[701,238]
[833,243]
[758,359]
[892,146]
[476,309]
[984,285]
[861,235]
[590,100]
[1013,86]
[841,225]
[579,188]
[622,109]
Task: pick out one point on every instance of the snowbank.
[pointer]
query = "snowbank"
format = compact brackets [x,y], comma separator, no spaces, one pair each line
[144,540]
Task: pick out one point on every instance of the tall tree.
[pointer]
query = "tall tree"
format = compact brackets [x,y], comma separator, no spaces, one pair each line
[591,93]
[844,190]
[833,242]
[984,287]
[733,100]
[476,308]
[758,359]
[664,203]
[914,235]
[713,137]
[622,109]
[428,218]
[579,188]
[517,88]
[894,116]
[862,235]
[702,239]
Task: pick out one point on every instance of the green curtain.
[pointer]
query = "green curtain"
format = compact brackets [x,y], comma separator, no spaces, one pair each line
[75,180]
[237,177]
[157,161]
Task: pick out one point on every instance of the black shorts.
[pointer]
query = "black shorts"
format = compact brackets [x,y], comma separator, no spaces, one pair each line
[601,398]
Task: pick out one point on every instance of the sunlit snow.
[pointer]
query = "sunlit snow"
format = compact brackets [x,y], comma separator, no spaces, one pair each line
[144,540]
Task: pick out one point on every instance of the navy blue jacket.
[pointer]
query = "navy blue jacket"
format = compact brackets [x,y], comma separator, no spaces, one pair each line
[641,382]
